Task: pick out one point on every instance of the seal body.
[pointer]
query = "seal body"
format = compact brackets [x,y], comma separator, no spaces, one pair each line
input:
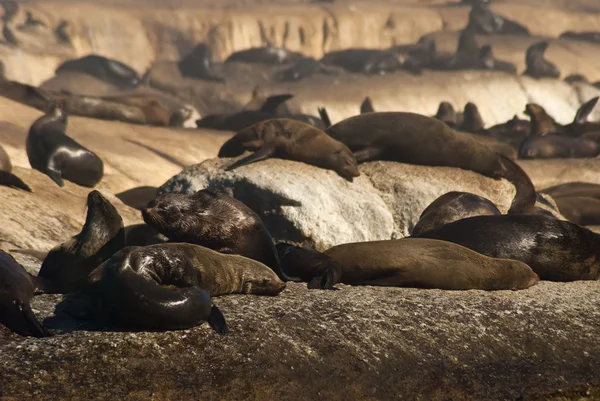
[557,146]
[198,64]
[293,140]
[16,290]
[417,139]
[453,206]
[301,69]
[108,70]
[308,265]
[556,250]
[213,220]
[537,65]
[55,154]
[7,178]
[265,55]
[427,264]
[365,61]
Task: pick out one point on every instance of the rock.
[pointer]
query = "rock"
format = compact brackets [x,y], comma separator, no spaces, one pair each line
[315,207]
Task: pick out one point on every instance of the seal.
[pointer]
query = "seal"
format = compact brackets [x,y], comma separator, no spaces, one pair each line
[553,146]
[198,64]
[9,36]
[62,32]
[303,68]
[411,262]
[95,107]
[537,65]
[453,206]
[52,152]
[17,287]
[488,61]
[472,121]
[138,197]
[446,114]
[486,22]
[31,22]
[308,265]
[7,178]
[168,286]
[293,140]
[543,124]
[576,78]
[364,61]
[416,139]
[588,36]
[265,55]
[366,106]
[514,131]
[106,69]
[66,267]
[216,221]
[556,250]
[581,210]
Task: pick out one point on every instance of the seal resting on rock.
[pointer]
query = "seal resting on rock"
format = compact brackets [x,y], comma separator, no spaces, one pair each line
[216,221]
[198,64]
[52,152]
[556,250]
[265,55]
[411,262]
[109,70]
[292,140]
[417,139]
[7,178]
[308,265]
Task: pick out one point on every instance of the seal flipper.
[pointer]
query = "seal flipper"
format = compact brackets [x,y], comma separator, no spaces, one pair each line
[324,116]
[216,320]
[263,153]
[56,177]
[366,154]
[526,196]
[18,317]
[10,180]
[584,111]
[367,106]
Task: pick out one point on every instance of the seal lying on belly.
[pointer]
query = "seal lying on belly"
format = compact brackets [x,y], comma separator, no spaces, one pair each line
[556,250]
[417,139]
[292,140]
[422,263]
[216,221]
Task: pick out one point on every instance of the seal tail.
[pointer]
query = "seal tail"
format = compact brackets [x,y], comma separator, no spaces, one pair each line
[324,116]
[216,320]
[526,196]
[10,180]
[263,153]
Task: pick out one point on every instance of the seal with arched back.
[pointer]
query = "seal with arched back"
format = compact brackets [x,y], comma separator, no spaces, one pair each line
[417,139]
[55,154]
[292,140]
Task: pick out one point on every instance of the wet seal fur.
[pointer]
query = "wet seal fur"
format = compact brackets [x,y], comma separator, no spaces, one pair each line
[292,140]
[216,221]
[422,263]
[55,154]
[556,250]
[7,178]
[421,140]
[453,206]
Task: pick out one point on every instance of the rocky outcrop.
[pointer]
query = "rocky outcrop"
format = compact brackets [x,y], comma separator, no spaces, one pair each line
[315,207]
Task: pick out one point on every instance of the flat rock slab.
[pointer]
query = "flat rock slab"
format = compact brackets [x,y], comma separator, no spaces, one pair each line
[372,343]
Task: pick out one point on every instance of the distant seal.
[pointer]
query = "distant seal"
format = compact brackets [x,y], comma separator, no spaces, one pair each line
[364,61]
[17,287]
[52,152]
[581,210]
[588,36]
[537,65]
[95,107]
[7,178]
[446,114]
[416,139]
[216,221]
[9,36]
[576,78]
[198,64]
[168,286]
[308,265]
[66,267]
[301,69]
[585,189]
[62,32]
[541,122]
[292,140]
[472,120]
[138,197]
[366,106]
[265,55]
[553,146]
[556,250]
[411,262]
[487,61]
[453,206]
[486,22]
[106,69]
[512,131]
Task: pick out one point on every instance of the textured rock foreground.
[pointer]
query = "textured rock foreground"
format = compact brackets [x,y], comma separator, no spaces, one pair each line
[355,343]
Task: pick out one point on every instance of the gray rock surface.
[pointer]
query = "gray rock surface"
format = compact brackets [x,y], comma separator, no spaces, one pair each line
[316,207]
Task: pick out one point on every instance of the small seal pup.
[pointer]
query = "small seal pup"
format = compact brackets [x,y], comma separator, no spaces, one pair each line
[556,250]
[17,287]
[453,206]
[67,266]
[52,152]
[216,221]
[537,65]
[411,262]
[7,178]
[293,140]
[416,139]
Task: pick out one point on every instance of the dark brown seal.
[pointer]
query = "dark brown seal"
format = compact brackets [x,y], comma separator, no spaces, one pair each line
[422,263]
[17,287]
[7,178]
[366,106]
[26,94]
[216,221]
[95,107]
[582,210]
[537,65]
[417,139]
[52,152]
[67,266]
[556,250]
[108,70]
[308,265]
[453,206]
[554,146]
[265,55]
[447,114]
[293,140]
[578,188]
[198,64]
[472,120]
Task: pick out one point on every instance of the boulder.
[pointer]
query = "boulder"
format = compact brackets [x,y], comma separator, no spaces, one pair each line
[316,207]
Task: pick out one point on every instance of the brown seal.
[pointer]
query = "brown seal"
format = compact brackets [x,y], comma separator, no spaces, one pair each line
[52,152]
[17,287]
[557,146]
[293,140]
[422,263]
[216,221]
[447,115]
[67,266]
[578,188]
[537,65]
[421,140]
[106,69]
[26,94]
[198,64]
[95,107]
[512,131]
[265,55]
[472,120]
[7,178]
[542,123]
[453,206]
[582,210]
[308,265]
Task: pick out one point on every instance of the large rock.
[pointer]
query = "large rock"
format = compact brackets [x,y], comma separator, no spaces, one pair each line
[316,207]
